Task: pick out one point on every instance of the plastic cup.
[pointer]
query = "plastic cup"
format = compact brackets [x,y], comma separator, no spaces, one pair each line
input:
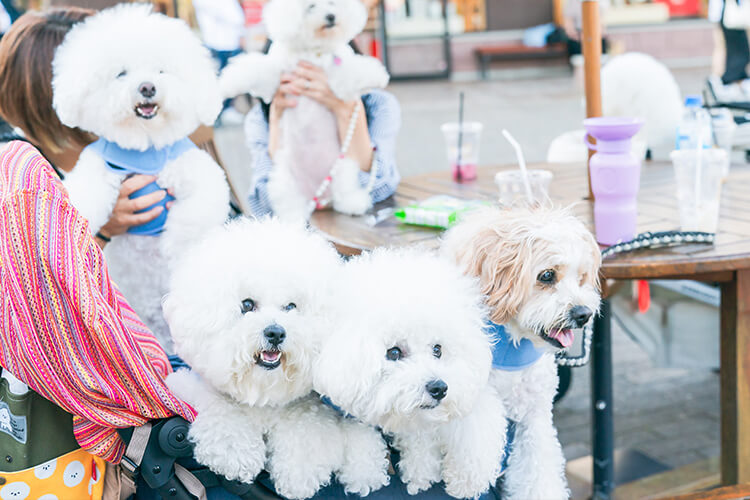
[512,189]
[724,126]
[463,166]
[699,198]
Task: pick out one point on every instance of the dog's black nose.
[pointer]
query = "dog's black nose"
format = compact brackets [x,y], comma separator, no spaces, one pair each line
[147,89]
[275,334]
[580,315]
[330,19]
[437,389]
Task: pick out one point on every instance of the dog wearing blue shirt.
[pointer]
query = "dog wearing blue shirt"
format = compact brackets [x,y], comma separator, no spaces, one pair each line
[141,82]
[538,269]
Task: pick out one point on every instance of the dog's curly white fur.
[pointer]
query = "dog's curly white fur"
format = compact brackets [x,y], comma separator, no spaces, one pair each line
[248,308]
[538,270]
[97,72]
[316,31]
[409,354]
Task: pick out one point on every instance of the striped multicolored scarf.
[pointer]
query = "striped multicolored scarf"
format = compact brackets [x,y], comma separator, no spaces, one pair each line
[66,330]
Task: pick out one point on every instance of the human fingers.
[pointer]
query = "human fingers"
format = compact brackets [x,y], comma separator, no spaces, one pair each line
[145,201]
[134,183]
[143,217]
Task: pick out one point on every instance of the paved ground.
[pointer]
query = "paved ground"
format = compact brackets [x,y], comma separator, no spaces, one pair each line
[669,414]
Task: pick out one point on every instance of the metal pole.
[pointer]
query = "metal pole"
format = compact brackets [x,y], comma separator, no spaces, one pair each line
[602,433]
[592,62]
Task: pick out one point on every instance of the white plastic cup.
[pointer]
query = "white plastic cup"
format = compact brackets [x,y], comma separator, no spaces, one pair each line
[511,187]
[724,127]
[465,167]
[699,199]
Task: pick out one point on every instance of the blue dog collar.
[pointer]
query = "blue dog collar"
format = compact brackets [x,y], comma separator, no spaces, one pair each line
[507,354]
[131,161]
[148,162]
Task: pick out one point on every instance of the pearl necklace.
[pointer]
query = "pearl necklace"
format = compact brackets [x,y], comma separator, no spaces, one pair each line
[317,202]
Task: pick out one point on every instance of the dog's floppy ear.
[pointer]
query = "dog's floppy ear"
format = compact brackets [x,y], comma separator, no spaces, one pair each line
[488,247]
[347,370]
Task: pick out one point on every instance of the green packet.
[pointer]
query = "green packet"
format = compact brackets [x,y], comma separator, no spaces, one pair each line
[440,211]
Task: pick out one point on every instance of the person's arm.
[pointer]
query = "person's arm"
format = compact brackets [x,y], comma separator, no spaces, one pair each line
[384,117]
[257,140]
[71,336]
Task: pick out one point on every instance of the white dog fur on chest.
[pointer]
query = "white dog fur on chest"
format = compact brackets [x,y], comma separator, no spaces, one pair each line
[409,354]
[141,80]
[318,32]
[538,269]
[249,308]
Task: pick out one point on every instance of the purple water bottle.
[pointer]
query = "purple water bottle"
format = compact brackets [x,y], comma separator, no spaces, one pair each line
[615,177]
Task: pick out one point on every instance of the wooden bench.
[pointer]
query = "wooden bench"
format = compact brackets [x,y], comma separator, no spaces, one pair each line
[517,52]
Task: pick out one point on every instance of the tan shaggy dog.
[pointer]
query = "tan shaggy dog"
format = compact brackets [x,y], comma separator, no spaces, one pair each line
[538,269]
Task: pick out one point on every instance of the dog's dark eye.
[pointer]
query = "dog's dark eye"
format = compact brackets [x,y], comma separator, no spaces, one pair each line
[248,305]
[122,73]
[437,350]
[547,276]
[394,354]
[290,306]
[161,71]
[311,6]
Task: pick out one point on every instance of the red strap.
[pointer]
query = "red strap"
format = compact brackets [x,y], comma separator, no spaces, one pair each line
[644,296]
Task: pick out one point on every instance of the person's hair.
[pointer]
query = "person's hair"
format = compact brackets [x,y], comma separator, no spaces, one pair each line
[26,53]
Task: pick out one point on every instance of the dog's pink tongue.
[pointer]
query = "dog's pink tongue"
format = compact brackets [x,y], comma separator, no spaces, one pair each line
[565,337]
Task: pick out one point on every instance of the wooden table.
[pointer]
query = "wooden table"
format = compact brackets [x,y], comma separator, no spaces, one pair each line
[727,262]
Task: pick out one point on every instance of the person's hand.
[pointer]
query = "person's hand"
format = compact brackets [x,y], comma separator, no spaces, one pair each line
[123,214]
[285,96]
[312,82]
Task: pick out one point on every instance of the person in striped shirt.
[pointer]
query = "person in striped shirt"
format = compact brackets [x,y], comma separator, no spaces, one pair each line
[374,135]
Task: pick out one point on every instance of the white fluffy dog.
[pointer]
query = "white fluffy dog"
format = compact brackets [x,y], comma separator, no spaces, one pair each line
[638,85]
[538,270]
[248,308]
[141,82]
[316,31]
[410,355]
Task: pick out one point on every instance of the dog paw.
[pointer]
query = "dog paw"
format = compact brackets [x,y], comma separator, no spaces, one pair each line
[415,487]
[352,203]
[230,463]
[296,490]
[364,485]
[464,489]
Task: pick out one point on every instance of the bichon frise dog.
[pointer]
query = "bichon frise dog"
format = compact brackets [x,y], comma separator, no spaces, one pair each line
[248,308]
[538,270]
[409,354]
[316,31]
[141,82]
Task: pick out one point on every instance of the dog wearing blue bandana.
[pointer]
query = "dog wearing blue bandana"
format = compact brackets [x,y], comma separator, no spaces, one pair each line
[409,355]
[141,82]
[538,269]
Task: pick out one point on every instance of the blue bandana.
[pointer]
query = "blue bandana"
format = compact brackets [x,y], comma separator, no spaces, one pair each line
[508,355]
[148,162]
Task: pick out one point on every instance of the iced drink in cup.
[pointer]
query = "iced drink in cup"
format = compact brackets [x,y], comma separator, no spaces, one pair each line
[463,161]
[512,189]
[699,175]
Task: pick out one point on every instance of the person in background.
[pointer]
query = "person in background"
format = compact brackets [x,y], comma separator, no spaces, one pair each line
[733,85]
[573,26]
[222,25]
[378,126]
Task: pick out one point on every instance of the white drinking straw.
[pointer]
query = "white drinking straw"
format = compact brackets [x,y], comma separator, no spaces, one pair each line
[698,168]
[521,164]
